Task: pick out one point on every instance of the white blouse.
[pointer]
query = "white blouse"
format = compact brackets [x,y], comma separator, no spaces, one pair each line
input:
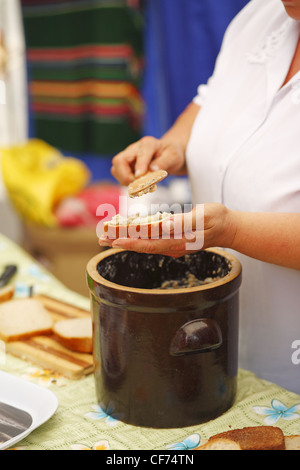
[244,152]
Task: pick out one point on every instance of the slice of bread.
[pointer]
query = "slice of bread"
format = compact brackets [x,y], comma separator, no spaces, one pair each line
[146,183]
[75,334]
[135,226]
[23,318]
[220,444]
[6,293]
[292,442]
[255,438]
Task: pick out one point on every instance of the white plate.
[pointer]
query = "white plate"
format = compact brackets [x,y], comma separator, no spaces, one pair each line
[27,399]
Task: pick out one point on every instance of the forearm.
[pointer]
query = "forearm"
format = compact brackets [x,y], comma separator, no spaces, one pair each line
[179,133]
[270,237]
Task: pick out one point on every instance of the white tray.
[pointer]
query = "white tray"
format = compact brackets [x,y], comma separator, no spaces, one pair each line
[31,407]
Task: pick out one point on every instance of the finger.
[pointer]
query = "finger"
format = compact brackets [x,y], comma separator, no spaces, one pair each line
[174,226]
[185,223]
[168,159]
[134,244]
[148,146]
[122,170]
[123,173]
[105,242]
[123,164]
[151,246]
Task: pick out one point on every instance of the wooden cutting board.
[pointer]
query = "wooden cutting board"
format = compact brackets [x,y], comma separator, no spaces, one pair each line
[46,352]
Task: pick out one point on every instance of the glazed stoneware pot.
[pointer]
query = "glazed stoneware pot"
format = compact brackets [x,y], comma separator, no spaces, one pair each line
[165,353]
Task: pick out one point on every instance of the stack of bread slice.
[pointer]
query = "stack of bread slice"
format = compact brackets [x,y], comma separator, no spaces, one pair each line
[21,319]
[7,293]
[252,438]
[75,334]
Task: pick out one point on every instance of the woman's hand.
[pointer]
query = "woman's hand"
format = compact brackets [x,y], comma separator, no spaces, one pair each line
[147,154]
[205,226]
[271,237]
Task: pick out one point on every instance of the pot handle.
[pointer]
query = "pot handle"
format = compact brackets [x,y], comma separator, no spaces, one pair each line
[196,336]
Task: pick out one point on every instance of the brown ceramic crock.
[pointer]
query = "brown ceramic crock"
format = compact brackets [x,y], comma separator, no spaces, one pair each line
[164,358]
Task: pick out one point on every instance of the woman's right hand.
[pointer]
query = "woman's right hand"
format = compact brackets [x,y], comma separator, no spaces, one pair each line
[148,154]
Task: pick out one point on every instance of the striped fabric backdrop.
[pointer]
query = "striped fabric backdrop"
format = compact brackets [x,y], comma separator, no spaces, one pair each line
[85,61]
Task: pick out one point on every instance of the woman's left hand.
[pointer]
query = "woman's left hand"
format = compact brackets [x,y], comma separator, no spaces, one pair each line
[207,225]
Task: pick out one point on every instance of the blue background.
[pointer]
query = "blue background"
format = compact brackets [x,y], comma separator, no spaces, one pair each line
[182,41]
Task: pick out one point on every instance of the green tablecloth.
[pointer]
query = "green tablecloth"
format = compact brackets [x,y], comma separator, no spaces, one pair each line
[80,424]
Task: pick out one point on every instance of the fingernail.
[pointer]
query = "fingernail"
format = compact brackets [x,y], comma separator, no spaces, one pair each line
[119,241]
[138,173]
[103,243]
[154,167]
[168,226]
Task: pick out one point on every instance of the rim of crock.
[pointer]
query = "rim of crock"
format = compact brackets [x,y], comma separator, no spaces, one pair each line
[93,273]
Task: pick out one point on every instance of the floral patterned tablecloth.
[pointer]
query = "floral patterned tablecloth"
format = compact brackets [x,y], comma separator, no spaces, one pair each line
[79,423]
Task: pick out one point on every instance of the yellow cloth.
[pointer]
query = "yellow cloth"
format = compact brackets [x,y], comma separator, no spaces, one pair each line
[38,177]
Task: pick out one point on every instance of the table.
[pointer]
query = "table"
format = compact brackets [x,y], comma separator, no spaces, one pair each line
[79,423]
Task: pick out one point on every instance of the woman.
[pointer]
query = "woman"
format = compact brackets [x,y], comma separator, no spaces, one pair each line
[239,141]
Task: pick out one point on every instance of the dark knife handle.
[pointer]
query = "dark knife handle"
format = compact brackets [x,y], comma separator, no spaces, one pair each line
[8,273]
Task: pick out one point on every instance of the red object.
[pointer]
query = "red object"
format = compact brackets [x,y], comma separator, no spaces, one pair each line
[81,210]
